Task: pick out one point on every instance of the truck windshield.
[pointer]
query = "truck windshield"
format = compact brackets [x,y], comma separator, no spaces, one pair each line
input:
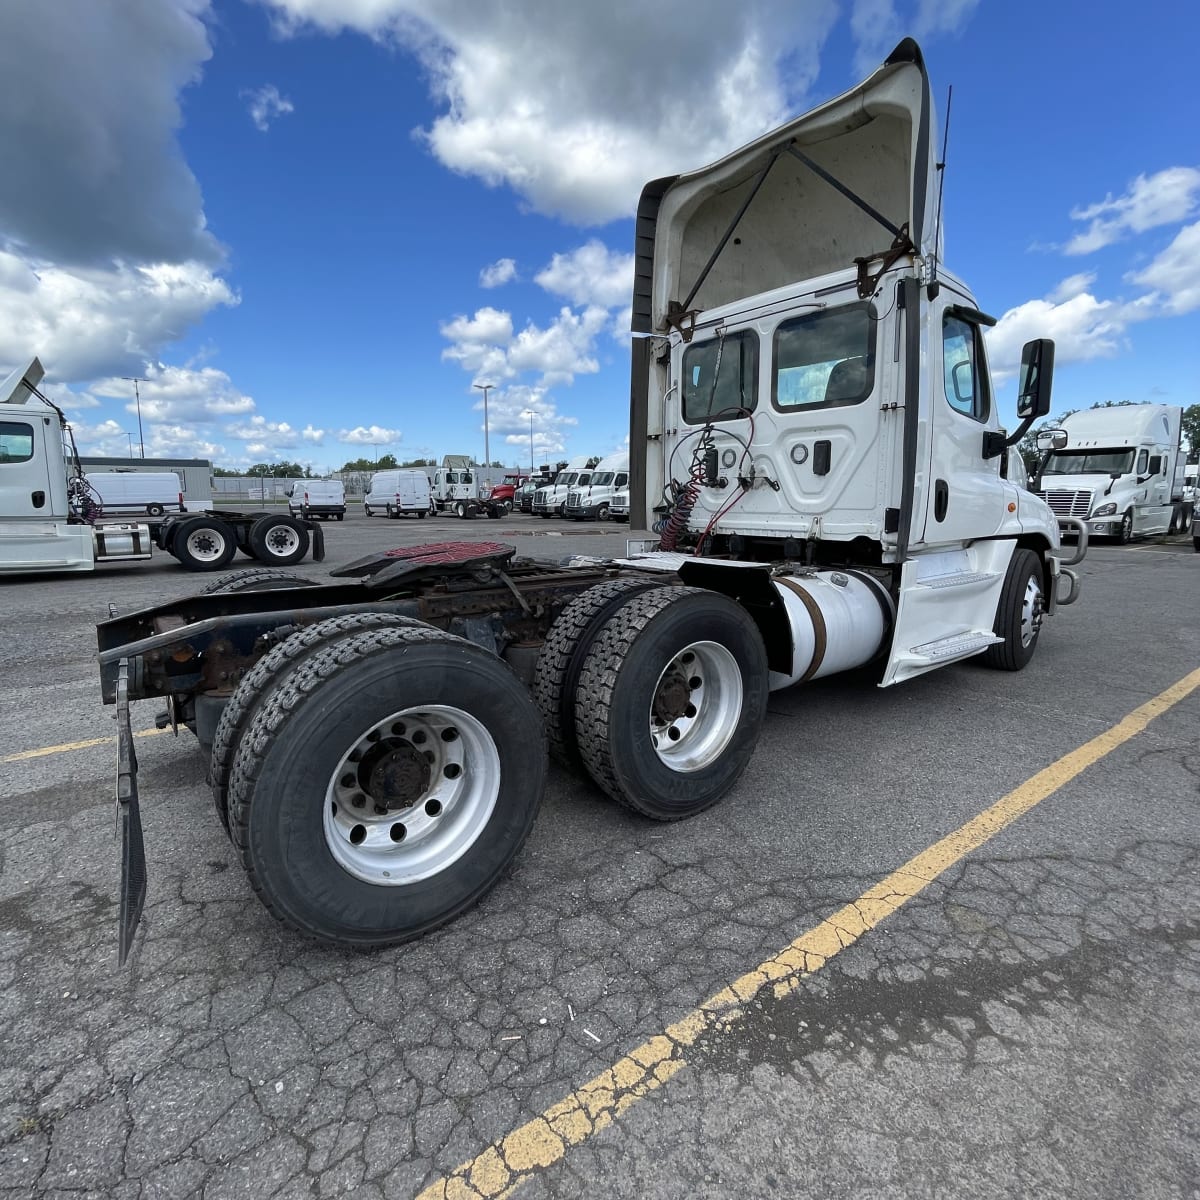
[602,478]
[1089,462]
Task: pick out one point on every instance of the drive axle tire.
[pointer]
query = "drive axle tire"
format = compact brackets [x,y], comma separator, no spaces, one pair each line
[265,677]
[204,543]
[278,540]
[386,822]
[557,673]
[254,579]
[1019,613]
[671,698]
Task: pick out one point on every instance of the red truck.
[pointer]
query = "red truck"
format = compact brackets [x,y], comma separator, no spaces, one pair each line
[503,492]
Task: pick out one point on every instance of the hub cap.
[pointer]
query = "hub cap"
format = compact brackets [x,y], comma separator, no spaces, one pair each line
[696,706]
[282,539]
[1031,612]
[412,795]
[206,545]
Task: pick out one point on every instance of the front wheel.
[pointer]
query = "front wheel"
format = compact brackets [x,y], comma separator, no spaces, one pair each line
[603,513]
[367,510]
[379,825]
[460,509]
[1125,534]
[670,700]
[1019,614]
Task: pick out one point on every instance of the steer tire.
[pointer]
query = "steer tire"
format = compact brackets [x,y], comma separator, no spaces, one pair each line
[265,677]
[278,540]
[1025,577]
[694,655]
[204,543]
[557,673]
[254,579]
[1125,533]
[317,878]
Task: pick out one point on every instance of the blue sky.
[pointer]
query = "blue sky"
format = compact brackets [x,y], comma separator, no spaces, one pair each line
[313,225]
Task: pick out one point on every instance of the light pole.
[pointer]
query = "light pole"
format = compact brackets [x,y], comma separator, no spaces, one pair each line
[135,380]
[130,437]
[487,452]
[530,414]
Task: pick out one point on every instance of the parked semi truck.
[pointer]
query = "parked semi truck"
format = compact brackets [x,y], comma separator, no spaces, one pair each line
[52,518]
[593,500]
[1122,469]
[815,437]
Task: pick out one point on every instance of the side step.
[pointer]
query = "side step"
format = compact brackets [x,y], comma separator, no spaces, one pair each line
[950,649]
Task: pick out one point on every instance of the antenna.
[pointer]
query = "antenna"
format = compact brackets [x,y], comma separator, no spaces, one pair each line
[941,166]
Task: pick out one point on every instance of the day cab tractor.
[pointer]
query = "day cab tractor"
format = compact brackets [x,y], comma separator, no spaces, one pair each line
[53,520]
[814,439]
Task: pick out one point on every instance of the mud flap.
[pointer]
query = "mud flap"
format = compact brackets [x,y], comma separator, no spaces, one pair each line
[129,823]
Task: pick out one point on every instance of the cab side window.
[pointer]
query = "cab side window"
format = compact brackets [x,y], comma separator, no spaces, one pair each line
[965,368]
[16,441]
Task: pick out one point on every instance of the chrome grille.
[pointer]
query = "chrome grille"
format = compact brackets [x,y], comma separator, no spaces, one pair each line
[573,500]
[1067,503]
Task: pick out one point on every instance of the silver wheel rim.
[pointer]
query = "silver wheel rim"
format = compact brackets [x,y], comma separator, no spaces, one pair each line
[1031,612]
[412,795]
[1127,525]
[696,706]
[281,540]
[205,545]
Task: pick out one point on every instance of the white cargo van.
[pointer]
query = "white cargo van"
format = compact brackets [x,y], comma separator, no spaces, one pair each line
[592,499]
[136,493]
[322,498]
[398,494]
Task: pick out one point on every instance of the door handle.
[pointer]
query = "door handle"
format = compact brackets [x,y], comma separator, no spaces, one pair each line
[941,500]
[38,498]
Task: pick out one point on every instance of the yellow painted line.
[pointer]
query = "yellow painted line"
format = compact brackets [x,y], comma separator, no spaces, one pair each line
[514,1158]
[24,755]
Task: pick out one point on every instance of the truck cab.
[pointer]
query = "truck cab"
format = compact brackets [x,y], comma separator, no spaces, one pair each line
[593,499]
[1120,468]
[810,383]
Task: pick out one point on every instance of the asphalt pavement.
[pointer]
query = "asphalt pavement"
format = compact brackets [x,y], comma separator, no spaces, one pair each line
[821,987]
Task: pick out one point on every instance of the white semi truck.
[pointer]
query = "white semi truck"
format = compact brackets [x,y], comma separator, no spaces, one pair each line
[814,435]
[1122,469]
[51,519]
[593,500]
[550,500]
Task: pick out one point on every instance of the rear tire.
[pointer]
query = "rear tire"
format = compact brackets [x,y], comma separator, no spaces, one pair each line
[204,544]
[154,510]
[387,822]
[254,579]
[557,673]
[421,515]
[264,678]
[671,698]
[340,516]
[1019,613]
[279,541]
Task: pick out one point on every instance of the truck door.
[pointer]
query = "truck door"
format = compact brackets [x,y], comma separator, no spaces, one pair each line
[966,497]
[25,486]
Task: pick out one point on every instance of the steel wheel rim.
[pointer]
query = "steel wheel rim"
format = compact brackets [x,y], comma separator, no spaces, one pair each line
[205,545]
[282,540]
[1031,612]
[443,770]
[1127,525]
[695,706]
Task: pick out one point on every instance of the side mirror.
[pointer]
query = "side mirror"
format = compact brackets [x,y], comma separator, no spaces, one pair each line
[1052,439]
[1037,373]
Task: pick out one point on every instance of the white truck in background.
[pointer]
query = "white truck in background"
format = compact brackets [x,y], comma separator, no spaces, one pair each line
[592,500]
[815,439]
[1121,469]
[51,519]
[550,500]
[150,494]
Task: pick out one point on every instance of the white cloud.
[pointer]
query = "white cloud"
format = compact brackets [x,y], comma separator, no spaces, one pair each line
[1175,273]
[309,434]
[1150,201]
[1082,327]
[90,97]
[366,435]
[592,274]
[264,104]
[580,143]
[276,435]
[1071,287]
[84,322]
[177,394]
[508,418]
[500,272]
[876,27]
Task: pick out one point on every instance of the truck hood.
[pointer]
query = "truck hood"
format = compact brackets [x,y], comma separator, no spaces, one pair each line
[1081,483]
[850,179]
[15,389]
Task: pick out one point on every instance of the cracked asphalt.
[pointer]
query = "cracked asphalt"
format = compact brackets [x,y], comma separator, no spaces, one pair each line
[1029,1022]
